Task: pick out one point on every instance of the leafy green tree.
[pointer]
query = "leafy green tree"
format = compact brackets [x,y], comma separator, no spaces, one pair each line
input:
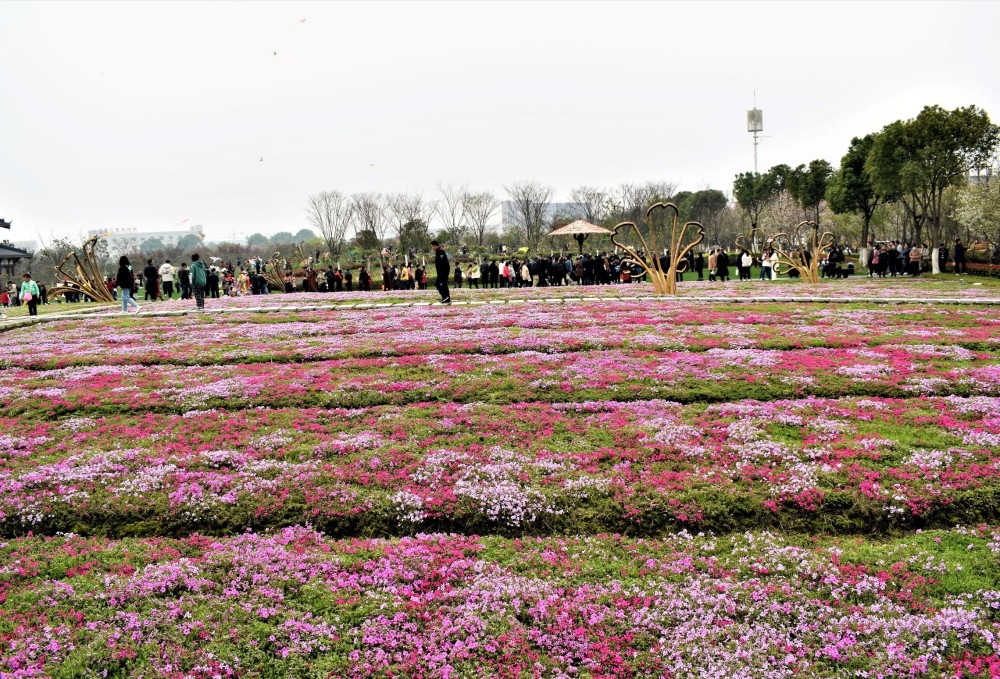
[188,242]
[258,239]
[851,189]
[754,191]
[368,241]
[807,186]
[151,245]
[414,234]
[304,234]
[283,238]
[920,158]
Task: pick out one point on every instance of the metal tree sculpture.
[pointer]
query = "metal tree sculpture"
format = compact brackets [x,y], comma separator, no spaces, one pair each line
[86,278]
[748,242]
[677,243]
[797,252]
[274,274]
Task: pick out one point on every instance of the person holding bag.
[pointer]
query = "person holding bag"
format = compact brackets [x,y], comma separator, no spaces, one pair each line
[30,294]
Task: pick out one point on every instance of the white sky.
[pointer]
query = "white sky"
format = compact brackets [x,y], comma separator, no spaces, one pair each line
[144,114]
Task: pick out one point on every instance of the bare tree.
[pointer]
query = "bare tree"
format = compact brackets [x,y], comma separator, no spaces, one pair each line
[451,210]
[368,210]
[330,213]
[593,203]
[480,209]
[530,200]
[403,208]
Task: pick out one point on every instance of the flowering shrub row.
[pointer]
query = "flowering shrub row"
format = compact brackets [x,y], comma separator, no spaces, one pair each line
[491,330]
[299,604]
[640,467]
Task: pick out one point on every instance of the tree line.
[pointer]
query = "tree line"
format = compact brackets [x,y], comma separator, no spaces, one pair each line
[911,180]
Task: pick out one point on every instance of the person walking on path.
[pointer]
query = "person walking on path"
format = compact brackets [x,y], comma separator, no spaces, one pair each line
[443,267]
[30,294]
[125,280]
[199,279]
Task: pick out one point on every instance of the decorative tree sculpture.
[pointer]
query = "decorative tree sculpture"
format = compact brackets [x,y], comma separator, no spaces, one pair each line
[87,276]
[274,274]
[801,250]
[748,242]
[678,242]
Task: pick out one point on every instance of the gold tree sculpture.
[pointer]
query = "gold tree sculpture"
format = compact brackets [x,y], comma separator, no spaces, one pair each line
[802,250]
[748,242]
[678,242]
[87,276]
[273,273]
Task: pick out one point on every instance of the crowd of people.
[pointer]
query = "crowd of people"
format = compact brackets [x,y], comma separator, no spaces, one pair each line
[197,281]
[899,258]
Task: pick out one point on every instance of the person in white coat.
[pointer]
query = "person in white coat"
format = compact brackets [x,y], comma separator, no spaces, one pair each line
[167,273]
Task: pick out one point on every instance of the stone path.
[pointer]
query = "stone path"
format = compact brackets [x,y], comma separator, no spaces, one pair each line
[21,322]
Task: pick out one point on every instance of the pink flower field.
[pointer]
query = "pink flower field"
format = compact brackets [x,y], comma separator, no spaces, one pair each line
[606,488]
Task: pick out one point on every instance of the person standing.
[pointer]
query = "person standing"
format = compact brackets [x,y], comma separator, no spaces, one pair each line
[942,258]
[150,275]
[184,278]
[199,279]
[125,280]
[167,273]
[212,277]
[959,257]
[30,294]
[443,268]
[722,265]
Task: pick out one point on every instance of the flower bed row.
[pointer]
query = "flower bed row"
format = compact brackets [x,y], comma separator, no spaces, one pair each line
[294,603]
[317,335]
[712,375]
[642,467]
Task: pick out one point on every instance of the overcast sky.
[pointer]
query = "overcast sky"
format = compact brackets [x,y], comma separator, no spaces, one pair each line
[146,114]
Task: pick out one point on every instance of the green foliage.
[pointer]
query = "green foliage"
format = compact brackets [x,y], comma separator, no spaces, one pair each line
[754,191]
[151,245]
[189,242]
[851,189]
[807,186]
[414,234]
[368,240]
[920,158]
[258,239]
[283,238]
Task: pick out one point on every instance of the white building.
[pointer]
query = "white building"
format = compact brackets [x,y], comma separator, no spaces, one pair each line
[129,239]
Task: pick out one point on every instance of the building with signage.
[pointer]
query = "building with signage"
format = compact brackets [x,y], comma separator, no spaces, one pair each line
[129,239]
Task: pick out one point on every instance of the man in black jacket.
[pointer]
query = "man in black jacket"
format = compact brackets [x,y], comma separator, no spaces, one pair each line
[443,267]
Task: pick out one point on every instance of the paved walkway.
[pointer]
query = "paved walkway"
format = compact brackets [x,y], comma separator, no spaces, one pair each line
[22,322]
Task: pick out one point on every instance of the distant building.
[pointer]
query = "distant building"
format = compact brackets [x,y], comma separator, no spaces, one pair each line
[552,211]
[125,240]
[11,257]
[28,245]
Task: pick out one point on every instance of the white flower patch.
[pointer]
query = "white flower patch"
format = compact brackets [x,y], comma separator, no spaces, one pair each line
[585,486]
[408,507]
[863,373]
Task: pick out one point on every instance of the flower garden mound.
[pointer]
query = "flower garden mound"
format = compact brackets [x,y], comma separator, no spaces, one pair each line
[295,603]
[665,489]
